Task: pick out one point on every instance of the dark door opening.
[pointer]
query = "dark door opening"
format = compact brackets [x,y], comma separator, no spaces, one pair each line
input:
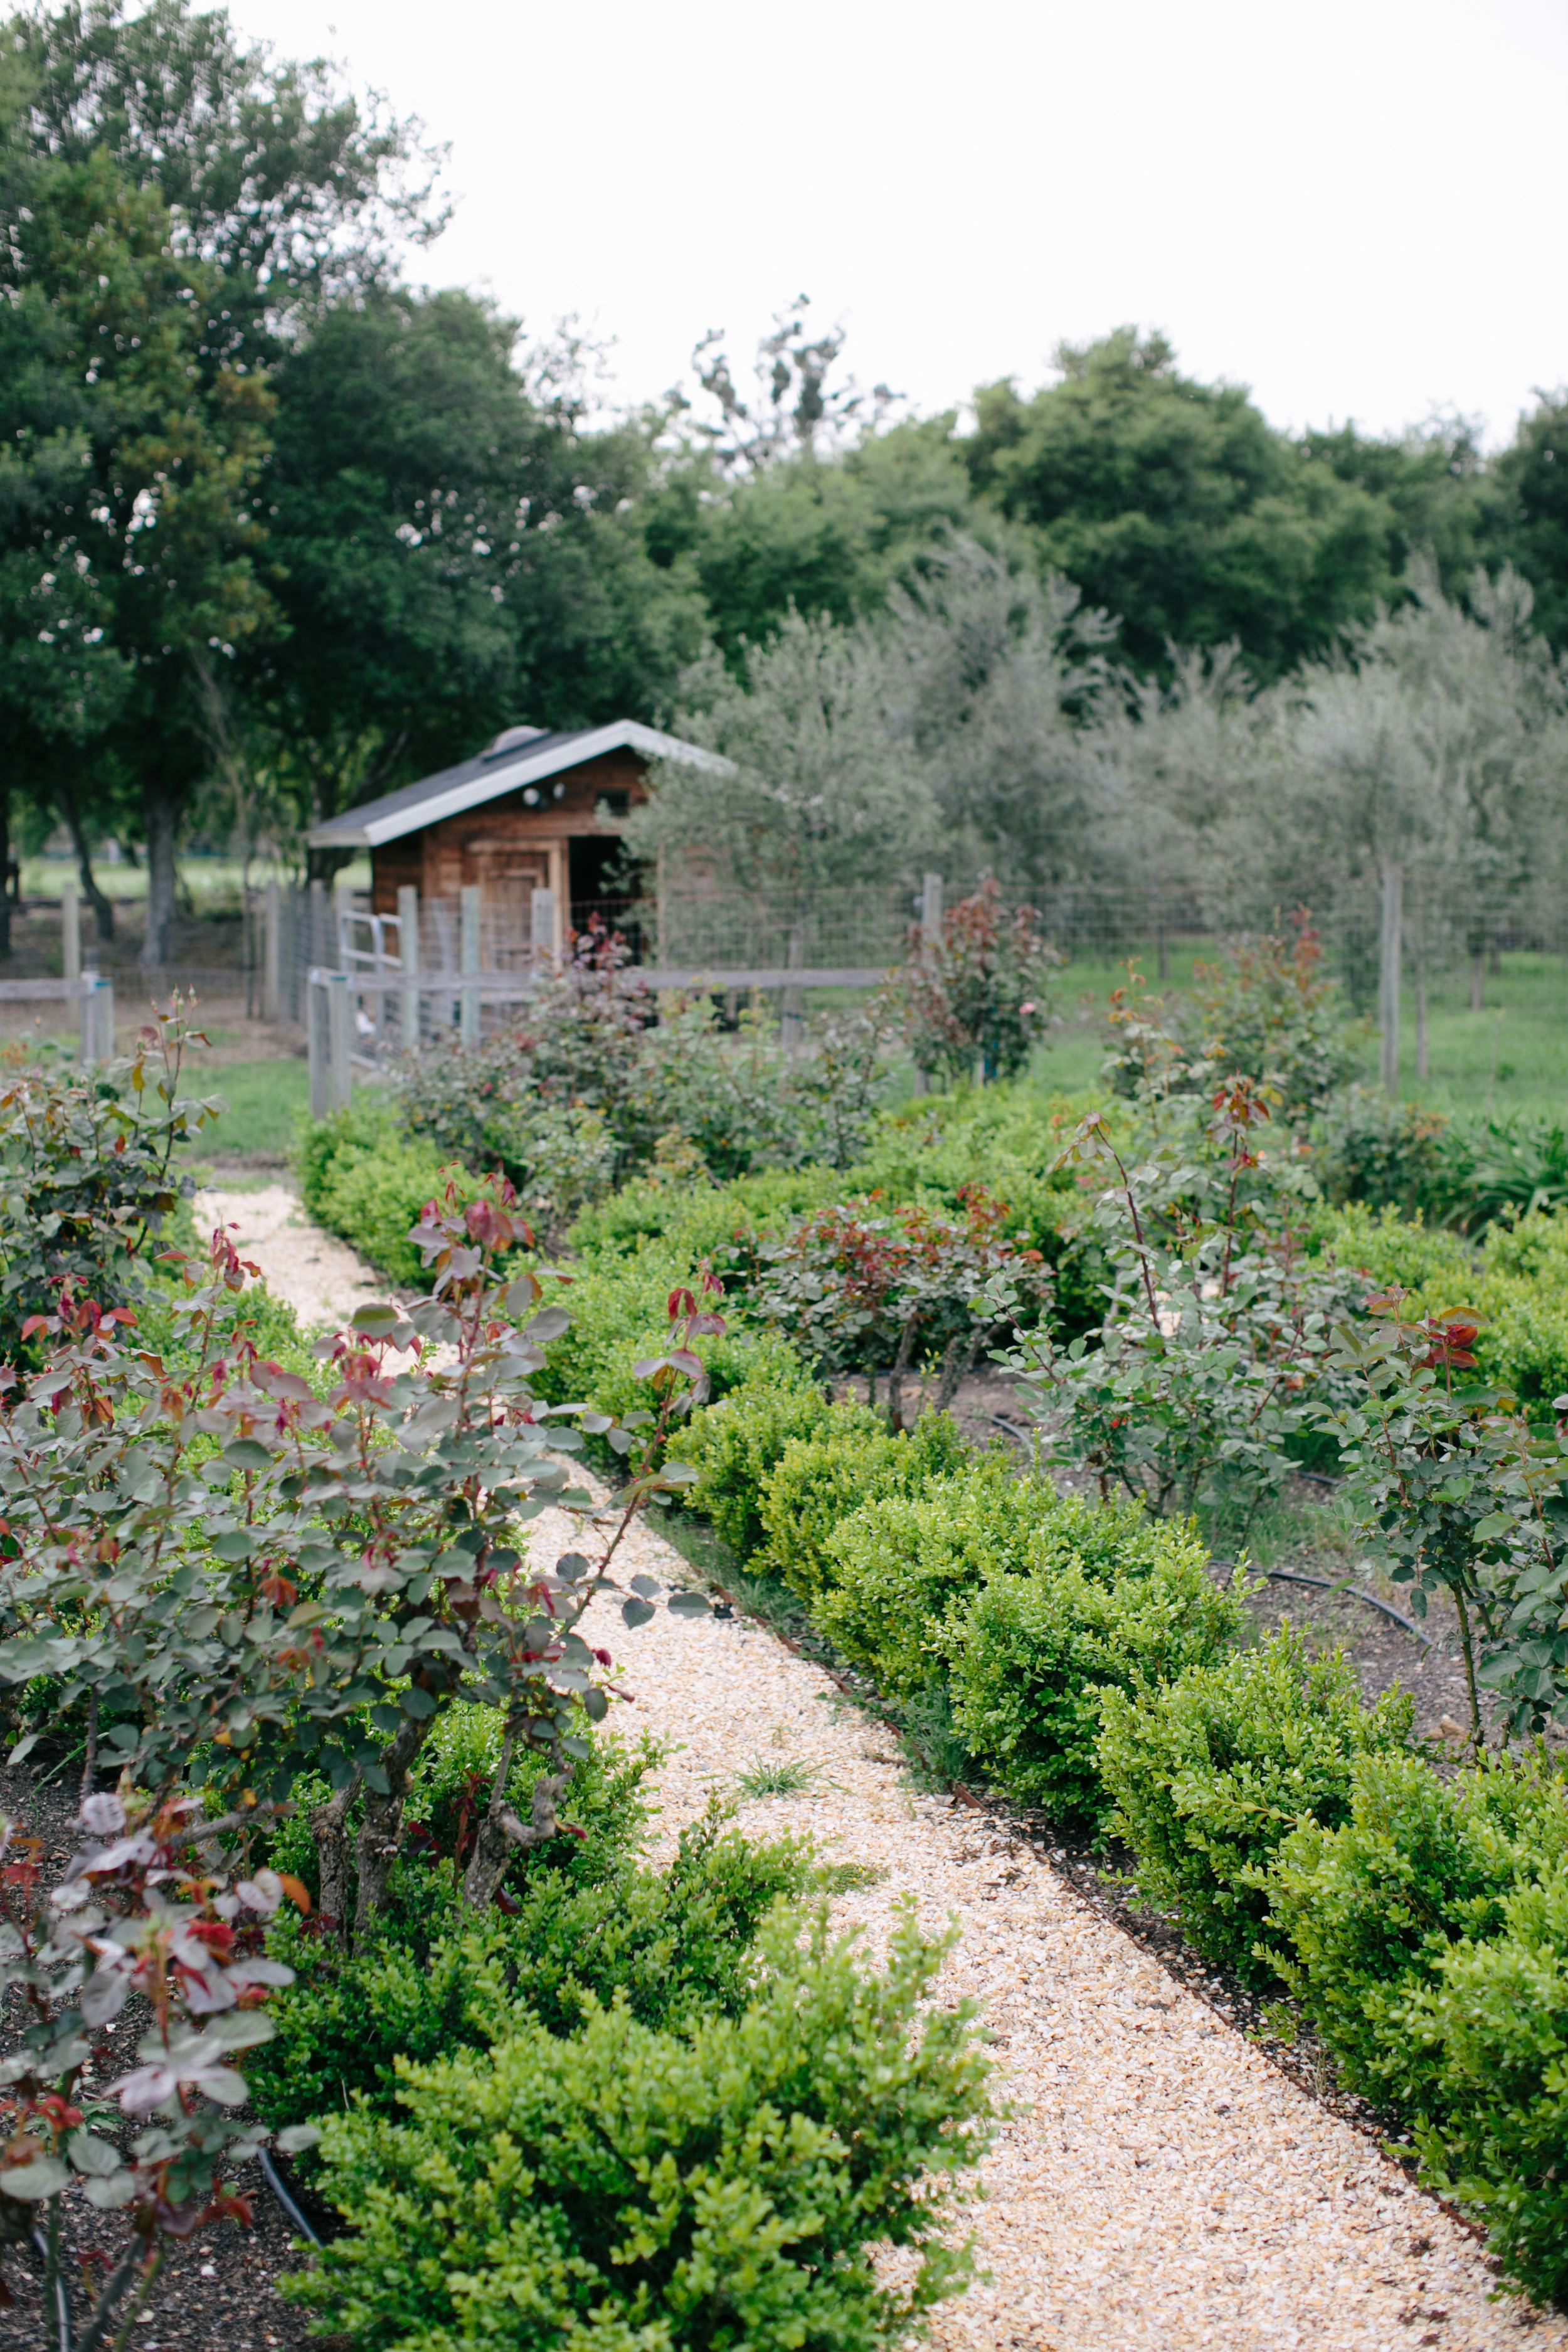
[599,883]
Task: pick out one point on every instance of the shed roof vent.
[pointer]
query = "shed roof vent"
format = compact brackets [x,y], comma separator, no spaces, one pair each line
[512,738]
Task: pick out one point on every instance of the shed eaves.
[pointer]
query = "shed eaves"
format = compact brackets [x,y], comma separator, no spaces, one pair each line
[488,775]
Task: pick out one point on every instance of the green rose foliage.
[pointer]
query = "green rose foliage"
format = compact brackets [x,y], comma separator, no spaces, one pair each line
[1212,1773]
[628,2189]
[88,1188]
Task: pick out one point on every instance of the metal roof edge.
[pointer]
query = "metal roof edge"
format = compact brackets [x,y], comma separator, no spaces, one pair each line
[620,735]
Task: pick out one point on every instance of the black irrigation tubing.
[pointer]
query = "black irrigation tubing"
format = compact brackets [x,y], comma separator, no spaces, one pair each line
[1327,1584]
[271,2174]
[1284,1575]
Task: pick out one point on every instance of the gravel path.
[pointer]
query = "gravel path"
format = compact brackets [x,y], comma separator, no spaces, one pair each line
[322,1279]
[1159,2185]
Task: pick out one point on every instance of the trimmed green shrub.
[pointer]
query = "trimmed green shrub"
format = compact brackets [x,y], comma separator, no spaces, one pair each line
[630,2190]
[1363,1916]
[1108,1598]
[736,1445]
[362,1179]
[619,1310]
[449,1782]
[670,1947]
[1517,1280]
[1392,1248]
[701,1220]
[897,1566]
[818,1482]
[1492,2036]
[1211,1773]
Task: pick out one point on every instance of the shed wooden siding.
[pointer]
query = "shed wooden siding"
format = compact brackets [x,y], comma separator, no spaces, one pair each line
[505,840]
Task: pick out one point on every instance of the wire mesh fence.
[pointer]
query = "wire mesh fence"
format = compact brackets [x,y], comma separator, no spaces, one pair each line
[491,946]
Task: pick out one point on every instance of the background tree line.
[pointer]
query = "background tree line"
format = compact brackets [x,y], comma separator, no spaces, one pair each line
[280,530]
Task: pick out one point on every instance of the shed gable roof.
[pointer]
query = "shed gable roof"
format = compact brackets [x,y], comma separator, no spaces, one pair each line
[491,774]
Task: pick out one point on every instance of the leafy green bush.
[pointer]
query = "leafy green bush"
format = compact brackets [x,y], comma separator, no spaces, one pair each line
[1106,1598]
[736,1444]
[89,1191]
[619,1310]
[1210,1772]
[362,1179]
[449,1783]
[632,2189]
[700,1220]
[896,1566]
[1362,1915]
[670,1946]
[1270,1011]
[1492,2038]
[820,1481]
[1392,1248]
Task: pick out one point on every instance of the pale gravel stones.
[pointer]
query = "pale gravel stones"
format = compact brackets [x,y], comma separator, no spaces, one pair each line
[323,1280]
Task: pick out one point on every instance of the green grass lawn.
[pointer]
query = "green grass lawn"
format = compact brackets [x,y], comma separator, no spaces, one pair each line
[265,1100]
[1512,1057]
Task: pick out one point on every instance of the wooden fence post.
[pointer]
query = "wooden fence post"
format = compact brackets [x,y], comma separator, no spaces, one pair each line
[342,1034]
[273,955]
[1388,982]
[931,936]
[469,958]
[71,929]
[321,950]
[542,931]
[792,1025]
[408,956]
[318,1019]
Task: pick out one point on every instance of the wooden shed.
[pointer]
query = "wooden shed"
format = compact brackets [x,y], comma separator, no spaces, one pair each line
[532,811]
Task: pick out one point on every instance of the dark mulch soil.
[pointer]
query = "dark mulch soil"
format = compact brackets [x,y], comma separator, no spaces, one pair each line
[218,2292]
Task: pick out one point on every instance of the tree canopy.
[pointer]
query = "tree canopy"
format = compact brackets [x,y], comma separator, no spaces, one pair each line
[279,529]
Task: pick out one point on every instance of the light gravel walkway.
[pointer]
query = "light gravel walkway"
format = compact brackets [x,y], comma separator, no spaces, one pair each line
[1159,2186]
[323,1280]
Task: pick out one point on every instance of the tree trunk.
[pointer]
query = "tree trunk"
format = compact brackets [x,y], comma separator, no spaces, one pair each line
[333,1859]
[1421,1027]
[501,1833]
[956,1369]
[1478,981]
[4,871]
[381,1831]
[102,907]
[901,1362]
[161,816]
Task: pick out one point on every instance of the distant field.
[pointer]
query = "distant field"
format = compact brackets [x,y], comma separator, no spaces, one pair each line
[1513,1056]
[204,877]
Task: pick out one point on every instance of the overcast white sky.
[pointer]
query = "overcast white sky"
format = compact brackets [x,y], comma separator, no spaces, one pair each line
[1355,206]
